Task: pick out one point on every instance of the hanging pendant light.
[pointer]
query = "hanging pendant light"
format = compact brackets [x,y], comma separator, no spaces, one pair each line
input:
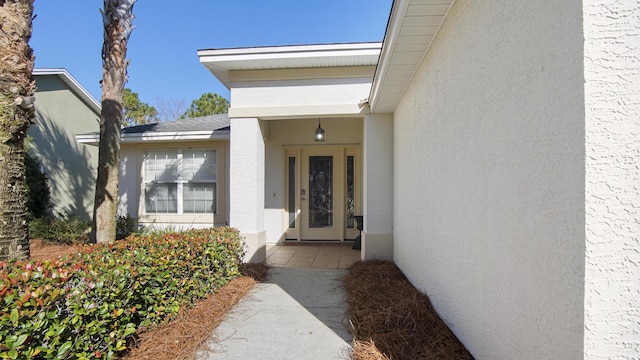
[319,133]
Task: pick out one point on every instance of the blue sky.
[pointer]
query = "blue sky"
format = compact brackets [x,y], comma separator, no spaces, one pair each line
[162,48]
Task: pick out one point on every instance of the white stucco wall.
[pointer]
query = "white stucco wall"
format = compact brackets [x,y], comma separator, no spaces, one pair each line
[489,178]
[612,97]
[377,237]
[246,184]
[312,92]
[130,179]
[300,92]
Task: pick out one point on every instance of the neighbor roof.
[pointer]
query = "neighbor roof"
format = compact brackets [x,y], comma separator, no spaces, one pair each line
[199,128]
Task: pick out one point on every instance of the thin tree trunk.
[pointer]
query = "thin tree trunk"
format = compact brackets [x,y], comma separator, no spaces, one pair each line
[117,18]
[17,90]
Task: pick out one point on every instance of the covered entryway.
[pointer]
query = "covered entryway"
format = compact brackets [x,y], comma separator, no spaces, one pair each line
[283,184]
[322,192]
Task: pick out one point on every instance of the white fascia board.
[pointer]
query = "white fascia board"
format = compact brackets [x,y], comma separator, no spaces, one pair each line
[93,139]
[398,11]
[396,18]
[73,84]
[166,136]
[248,57]
[279,52]
[221,61]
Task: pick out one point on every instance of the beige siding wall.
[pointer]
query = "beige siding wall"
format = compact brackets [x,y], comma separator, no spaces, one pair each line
[489,178]
[70,167]
[132,187]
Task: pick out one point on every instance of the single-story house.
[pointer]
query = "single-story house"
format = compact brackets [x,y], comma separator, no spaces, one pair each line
[64,109]
[492,148]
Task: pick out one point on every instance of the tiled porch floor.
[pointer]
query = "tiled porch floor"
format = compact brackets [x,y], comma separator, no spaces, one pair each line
[312,256]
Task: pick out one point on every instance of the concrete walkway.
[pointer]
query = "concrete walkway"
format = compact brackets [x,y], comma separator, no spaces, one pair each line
[295,314]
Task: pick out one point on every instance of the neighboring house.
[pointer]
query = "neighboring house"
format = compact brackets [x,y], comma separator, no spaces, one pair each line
[492,148]
[63,110]
[174,174]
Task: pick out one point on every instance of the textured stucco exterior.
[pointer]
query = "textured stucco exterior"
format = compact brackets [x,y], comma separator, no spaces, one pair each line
[377,236]
[505,184]
[311,92]
[70,167]
[300,92]
[489,178]
[131,185]
[246,185]
[612,211]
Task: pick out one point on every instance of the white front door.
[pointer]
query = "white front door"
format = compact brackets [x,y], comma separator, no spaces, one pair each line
[322,196]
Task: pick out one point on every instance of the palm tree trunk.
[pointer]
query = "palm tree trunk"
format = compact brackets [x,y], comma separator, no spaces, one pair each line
[117,17]
[17,90]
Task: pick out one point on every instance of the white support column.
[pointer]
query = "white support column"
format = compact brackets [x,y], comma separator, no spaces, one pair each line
[377,236]
[247,156]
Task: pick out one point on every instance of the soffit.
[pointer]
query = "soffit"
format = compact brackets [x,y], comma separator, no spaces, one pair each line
[220,62]
[413,24]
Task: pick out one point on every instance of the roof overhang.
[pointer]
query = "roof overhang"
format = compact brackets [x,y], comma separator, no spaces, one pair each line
[74,85]
[222,61]
[412,27]
[219,135]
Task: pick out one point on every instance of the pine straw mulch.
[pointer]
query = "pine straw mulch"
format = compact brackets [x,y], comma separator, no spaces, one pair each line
[392,320]
[41,250]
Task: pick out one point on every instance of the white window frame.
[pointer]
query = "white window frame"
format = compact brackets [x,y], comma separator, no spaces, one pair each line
[179,181]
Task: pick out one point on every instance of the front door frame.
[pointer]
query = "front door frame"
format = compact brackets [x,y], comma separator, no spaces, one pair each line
[301,153]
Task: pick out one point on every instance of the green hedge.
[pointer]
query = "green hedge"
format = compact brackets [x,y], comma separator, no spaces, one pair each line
[90,305]
[67,230]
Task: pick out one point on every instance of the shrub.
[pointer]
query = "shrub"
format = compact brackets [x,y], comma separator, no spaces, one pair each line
[38,192]
[157,230]
[90,305]
[67,231]
[125,226]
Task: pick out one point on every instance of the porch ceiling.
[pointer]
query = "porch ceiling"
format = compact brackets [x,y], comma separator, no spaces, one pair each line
[412,26]
[221,61]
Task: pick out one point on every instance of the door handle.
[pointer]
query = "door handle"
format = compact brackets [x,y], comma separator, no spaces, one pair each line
[303,192]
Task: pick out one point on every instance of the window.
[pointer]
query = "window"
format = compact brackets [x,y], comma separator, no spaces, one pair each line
[351,199]
[180,181]
[292,192]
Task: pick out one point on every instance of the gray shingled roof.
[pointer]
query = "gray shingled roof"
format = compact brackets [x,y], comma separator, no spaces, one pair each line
[216,123]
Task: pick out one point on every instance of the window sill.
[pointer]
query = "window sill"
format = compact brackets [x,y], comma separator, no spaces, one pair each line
[178,218]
